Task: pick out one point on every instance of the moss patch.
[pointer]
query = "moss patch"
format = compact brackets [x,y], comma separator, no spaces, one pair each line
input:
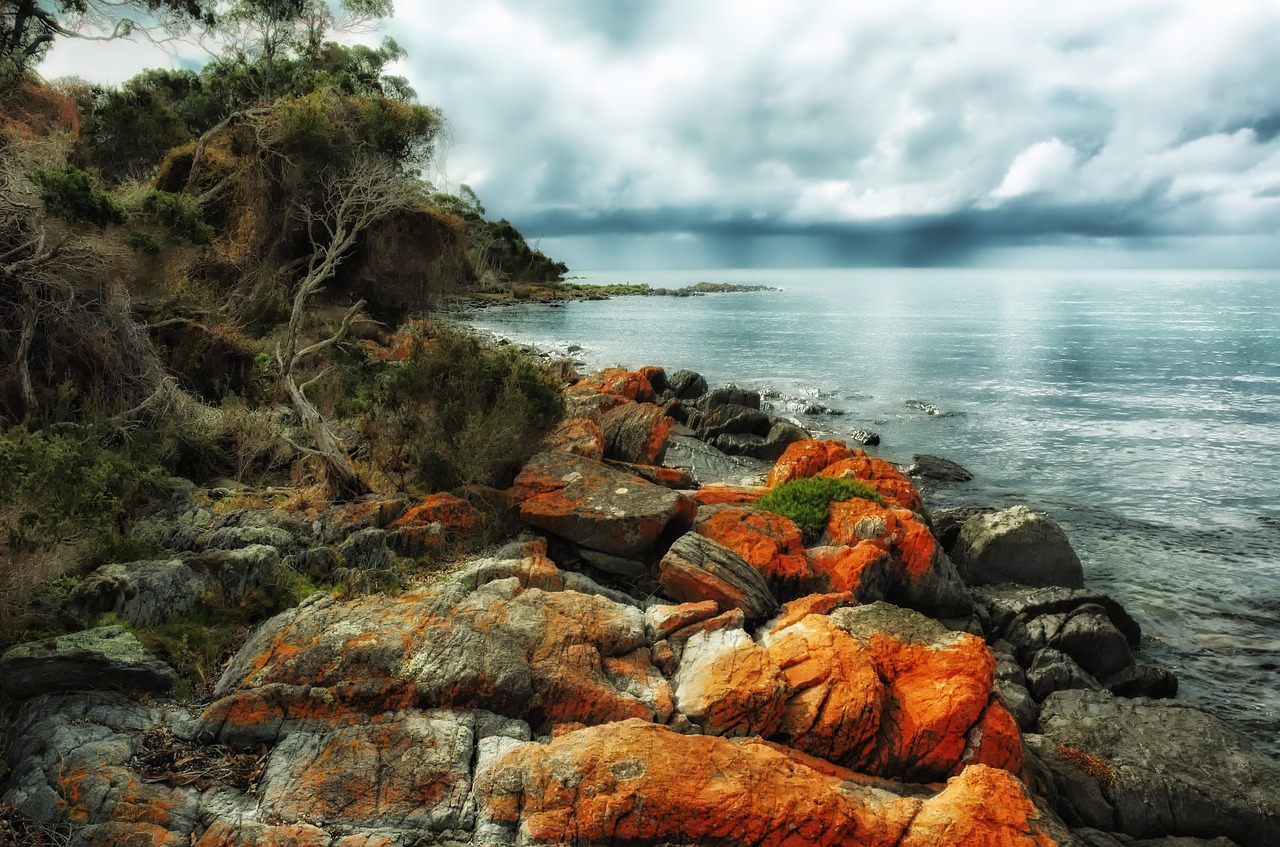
[808,501]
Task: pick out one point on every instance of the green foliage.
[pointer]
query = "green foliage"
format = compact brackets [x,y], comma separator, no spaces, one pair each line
[456,411]
[70,193]
[68,484]
[180,215]
[328,128]
[807,501]
[128,130]
[140,241]
[497,248]
[29,27]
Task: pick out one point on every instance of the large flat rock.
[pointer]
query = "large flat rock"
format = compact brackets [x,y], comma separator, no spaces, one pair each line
[1152,768]
[596,506]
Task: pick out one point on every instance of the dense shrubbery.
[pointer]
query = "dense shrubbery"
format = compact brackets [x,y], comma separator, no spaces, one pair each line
[180,215]
[273,200]
[808,501]
[70,193]
[66,500]
[456,412]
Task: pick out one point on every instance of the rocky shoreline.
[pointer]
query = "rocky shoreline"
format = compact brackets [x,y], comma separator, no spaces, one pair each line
[655,661]
[557,294]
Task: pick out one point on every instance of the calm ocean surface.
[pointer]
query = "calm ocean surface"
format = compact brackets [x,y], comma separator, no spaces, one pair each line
[1140,409]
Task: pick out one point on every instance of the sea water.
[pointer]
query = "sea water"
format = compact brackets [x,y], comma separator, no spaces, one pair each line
[1139,409]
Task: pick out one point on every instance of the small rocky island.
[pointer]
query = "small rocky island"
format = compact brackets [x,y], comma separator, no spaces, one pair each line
[674,651]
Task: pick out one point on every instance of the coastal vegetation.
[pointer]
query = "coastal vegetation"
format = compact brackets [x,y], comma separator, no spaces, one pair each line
[218,275]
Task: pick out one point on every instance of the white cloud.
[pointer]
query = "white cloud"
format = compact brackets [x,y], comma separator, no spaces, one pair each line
[1043,166]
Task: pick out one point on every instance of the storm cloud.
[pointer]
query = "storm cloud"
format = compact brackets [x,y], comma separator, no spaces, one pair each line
[841,133]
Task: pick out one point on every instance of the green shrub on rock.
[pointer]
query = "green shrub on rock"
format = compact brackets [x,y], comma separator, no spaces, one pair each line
[808,501]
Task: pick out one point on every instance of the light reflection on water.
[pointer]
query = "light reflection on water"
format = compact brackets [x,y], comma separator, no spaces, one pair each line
[1140,409]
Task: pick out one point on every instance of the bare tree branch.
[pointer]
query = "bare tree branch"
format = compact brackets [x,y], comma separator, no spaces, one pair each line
[348,203]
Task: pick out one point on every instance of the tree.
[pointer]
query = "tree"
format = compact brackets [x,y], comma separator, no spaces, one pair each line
[261,41]
[350,201]
[29,27]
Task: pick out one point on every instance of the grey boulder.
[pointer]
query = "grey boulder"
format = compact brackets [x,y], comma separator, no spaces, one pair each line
[1155,768]
[1016,545]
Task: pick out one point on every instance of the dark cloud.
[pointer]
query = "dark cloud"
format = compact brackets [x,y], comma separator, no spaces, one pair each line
[924,132]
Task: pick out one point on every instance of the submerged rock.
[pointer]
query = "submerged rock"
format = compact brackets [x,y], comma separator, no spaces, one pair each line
[937,468]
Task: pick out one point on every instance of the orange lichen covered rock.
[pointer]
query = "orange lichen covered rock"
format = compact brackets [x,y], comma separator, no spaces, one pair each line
[432,521]
[938,685]
[636,432]
[245,833]
[578,435]
[661,621]
[806,458]
[643,784]
[697,568]
[770,543]
[678,479]
[862,569]
[343,519]
[773,545]
[546,656]
[994,741]
[895,488]
[633,385]
[456,514]
[410,772]
[983,807]
[635,783]
[717,494]
[596,506]
[837,697]
[811,604]
[729,685]
[921,576]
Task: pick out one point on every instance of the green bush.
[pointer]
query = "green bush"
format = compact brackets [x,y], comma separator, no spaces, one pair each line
[180,215]
[456,411]
[70,193]
[141,241]
[808,501]
[69,484]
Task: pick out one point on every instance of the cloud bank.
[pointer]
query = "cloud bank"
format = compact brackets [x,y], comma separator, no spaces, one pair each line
[832,133]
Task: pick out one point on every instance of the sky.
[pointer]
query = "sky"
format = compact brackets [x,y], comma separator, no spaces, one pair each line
[656,133]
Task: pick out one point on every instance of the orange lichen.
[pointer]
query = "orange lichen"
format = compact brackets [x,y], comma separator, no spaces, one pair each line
[722,493]
[1095,766]
[633,385]
[636,782]
[982,807]
[881,475]
[805,459]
